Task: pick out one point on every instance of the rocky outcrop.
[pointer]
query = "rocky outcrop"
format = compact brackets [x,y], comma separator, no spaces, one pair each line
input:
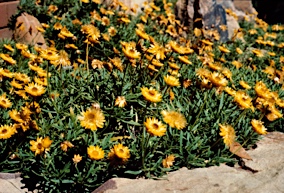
[212,14]
[27,30]
[265,173]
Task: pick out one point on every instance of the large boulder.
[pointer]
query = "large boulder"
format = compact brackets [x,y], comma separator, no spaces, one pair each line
[27,30]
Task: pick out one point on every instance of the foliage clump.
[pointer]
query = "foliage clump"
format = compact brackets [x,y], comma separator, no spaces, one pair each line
[124,93]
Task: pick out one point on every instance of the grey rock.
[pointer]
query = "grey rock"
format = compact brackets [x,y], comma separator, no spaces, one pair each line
[265,173]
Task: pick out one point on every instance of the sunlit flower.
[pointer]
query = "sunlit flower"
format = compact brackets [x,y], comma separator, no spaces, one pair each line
[218,79]
[142,34]
[77,158]
[8,58]
[171,80]
[22,77]
[184,59]
[49,54]
[121,151]
[57,26]
[112,31]
[151,94]
[239,51]
[262,91]
[92,119]
[168,161]
[207,42]
[120,101]
[274,113]
[22,93]
[157,50]
[258,127]
[174,119]
[66,33]
[73,46]
[180,49]
[93,33]
[223,49]
[21,46]
[5,102]
[16,84]
[35,89]
[9,47]
[40,145]
[155,127]
[258,52]
[95,152]
[129,50]
[245,85]
[237,64]
[228,134]
[243,100]
[117,63]
[65,145]
[6,131]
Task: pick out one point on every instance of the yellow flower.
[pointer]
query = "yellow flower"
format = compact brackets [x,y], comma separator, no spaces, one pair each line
[184,59]
[142,34]
[230,91]
[218,79]
[121,151]
[7,131]
[228,134]
[85,1]
[258,127]
[129,50]
[16,116]
[35,89]
[274,113]
[91,31]
[120,101]
[243,100]
[207,42]
[262,91]
[65,145]
[9,47]
[77,158]
[157,50]
[5,102]
[8,58]
[151,95]
[155,127]
[95,152]
[22,77]
[258,52]
[40,145]
[112,31]
[237,64]
[174,119]
[174,66]
[73,46]
[244,85]
[227,73]
[57,26]
[223,49]
[239,51]
[171,80]
[168,161]
[37,146]
[117,63]
[92,119]
[49,54]
[180,49]
[20,46]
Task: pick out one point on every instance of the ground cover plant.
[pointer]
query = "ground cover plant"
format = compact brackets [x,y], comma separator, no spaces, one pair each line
[120,93]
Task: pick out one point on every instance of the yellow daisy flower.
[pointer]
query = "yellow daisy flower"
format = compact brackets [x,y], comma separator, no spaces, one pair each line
[7,131]
[120,101]
[158,50]
[184,59]
[5,102]
[95,152]
[155,127]
[92,119]
[20,46]
[171,80]
[129,50]
[77,158]
[22,77]
[9,47]
[174,119]
[37,146]
[121,151]
[218,79]
[35,89]
[142,34]
[243,100]
[168,161]
[245,85]
[151,95]
[258,127]
[228,134]
[8,58]
[49,54]
[65,145]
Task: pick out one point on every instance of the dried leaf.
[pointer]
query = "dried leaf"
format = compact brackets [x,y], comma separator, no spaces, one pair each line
[238,150]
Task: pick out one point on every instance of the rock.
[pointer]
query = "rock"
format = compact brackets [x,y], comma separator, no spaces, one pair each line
[244,6]
[265,173]
[26,31]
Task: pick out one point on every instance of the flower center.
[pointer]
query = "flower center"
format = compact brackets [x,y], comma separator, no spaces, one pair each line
[91,116]
[95,153]
[121,151]
[39,146]
[3,101]
[152,93]
[34,89]
[4,131]
[155,126]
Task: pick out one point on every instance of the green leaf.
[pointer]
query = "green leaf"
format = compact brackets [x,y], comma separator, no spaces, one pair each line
[67,181]
[133,172]
[131,122]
